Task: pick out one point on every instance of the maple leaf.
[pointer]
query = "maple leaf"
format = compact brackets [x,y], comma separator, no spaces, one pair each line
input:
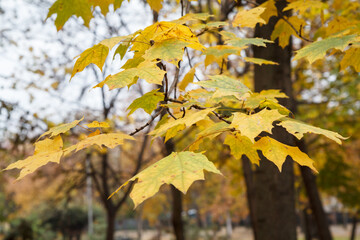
[170,50]
[277,152]
[283,30]
[255,99]
[179,169]
[148,101]
[211,131]
[145,70]
[96,124]
[220,52]
[225,86]
[190,118]
[301,6]
[155,4]
[317,50]
[241,42]
[47,150]
[192,17]
[188,78]
[241,145]
[270,10]
[104,4]
[249,18]
[96,55]
[252,125]
[61,128]
[66,8]
[298,129]
[351,58]
[274,105]
[259,61]
[109,140]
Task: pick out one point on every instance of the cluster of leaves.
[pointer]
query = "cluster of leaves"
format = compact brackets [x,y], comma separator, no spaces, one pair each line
[221,104]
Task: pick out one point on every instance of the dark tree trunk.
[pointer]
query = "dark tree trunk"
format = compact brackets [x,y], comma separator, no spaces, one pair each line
[353,229]
[321,220]
[176,218]
[110,221]
[307,224]
[246,165]
[274,194]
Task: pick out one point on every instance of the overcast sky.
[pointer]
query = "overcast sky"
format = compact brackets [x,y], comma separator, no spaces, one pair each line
[34,57]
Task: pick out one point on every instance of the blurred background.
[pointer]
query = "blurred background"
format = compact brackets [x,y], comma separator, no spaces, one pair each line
[67,201]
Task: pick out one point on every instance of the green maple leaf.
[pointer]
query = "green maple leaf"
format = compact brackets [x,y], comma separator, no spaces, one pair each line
[298,129]
[225,86]
[47,150]
[241,145]
[277,152]
[148,101]
[252,125]
[66,8]
[179,169]
[61,128]
[317,50]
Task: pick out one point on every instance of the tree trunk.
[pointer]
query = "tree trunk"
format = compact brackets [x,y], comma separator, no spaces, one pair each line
[322,223]
[110,228]
[307,225]
[246,165]
[176,218]
[274,194]
[353,229]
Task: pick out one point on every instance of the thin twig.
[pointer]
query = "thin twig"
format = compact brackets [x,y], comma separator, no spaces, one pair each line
[169,112]
[148,123]
[215,113]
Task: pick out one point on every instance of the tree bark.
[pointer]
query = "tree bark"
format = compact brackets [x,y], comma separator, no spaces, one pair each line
[246,165]
[353,229]
[110,228]
[274,194]
[322,223]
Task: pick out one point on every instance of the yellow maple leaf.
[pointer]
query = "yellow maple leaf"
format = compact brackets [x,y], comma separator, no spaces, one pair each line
[249,18]
[179,169]
[283,30]
[61,128]
[96,124]
[277,152]
[298,129]
[260,61]
[155,4]
[47,150]
[241,145]
[190,118]
[96,55]
[351,58]
[109,140]
[252,125]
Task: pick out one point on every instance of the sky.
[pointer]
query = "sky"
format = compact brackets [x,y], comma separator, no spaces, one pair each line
[34,58]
